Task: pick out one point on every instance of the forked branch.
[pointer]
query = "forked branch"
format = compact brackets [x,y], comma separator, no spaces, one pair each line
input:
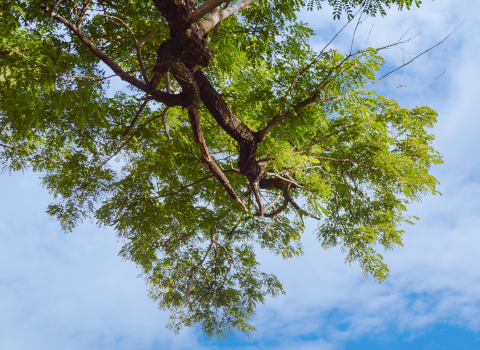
[86,4]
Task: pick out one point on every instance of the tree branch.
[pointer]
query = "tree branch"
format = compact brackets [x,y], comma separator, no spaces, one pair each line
[413,59]
[193,184]
[149,35]
[125,133]
[347,161]
[291,181]
[123,145]
[205,8]
[279,210]
[211,21]
[279,117]
[81,77]
[313,143]
[32,153]
[221,112]
[137,47]
[273,202]
[256,193]
[297,207]
[86,3]
[207,158]
[168,99]
[186,186]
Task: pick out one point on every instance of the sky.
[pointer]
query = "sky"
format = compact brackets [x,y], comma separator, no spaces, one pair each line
[72,291]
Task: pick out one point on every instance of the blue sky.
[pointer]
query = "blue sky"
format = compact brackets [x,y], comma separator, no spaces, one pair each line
[60,291]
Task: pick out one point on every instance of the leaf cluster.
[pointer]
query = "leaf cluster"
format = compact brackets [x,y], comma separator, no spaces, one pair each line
[109,154]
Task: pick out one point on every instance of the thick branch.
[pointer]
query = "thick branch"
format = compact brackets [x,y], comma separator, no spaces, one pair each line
[176,12]
[221,112]
[233,126]
[207,7]
[86,4]
[258,198]
[207,158]
[211,21]
[190,87]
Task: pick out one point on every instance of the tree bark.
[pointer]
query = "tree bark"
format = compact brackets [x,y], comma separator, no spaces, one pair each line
[181,55]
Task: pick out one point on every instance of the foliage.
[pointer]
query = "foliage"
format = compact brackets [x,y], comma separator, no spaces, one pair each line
[126,156]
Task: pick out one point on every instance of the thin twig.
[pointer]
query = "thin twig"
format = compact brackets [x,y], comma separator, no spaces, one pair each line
[123,145]
[137,47]
[32,153]
[149,35]
[81,77]
[192,184]
[322,139]
[424,52]
[125,133]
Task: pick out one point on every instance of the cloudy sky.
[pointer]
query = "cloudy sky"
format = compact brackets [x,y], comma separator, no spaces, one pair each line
[60,291]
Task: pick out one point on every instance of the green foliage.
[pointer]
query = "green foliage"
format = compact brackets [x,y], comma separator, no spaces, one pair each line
[371,7]
[359,157]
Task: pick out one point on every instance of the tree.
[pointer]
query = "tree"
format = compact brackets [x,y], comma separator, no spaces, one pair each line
[228,130]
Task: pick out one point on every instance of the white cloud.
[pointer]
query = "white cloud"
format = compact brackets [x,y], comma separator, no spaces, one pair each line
[70,291]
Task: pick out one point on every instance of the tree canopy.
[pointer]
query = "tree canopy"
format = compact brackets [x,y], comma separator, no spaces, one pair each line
[226,132]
